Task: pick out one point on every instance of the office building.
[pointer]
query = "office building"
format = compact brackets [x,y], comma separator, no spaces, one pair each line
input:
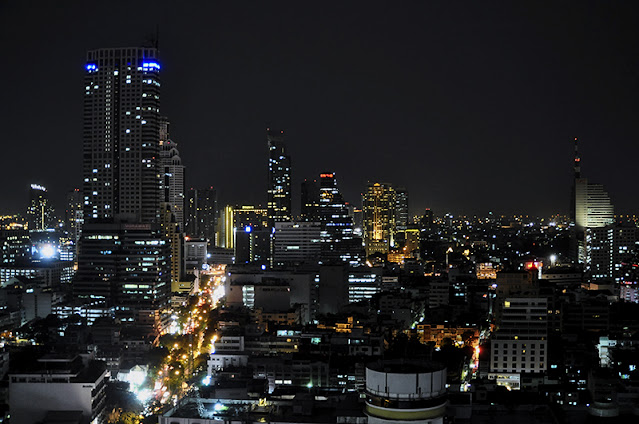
[379,203]
[172,172]
[202,213]
[125,264]
[40,215]
[401,209]
[246,231]
[253,245]
[296,243]
[339,243]
[309,201]
[279,179]
[15,246]
[74,215]
[121,135]
[590,208]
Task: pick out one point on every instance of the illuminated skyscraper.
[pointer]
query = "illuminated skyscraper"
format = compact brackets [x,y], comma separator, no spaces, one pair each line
[339,244]
[592,212]
[401,208]
[121,135]
[40,215]
[172,172]
[378,204]
[279,179]
[123,253]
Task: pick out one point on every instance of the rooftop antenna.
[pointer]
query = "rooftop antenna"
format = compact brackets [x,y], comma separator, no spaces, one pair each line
[577,161]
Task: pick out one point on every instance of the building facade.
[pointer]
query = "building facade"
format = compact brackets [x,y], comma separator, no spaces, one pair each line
[172,172]
[379,203]
[279,179]
[40,214]
[202,213]
[59,389]
[121,134]
[125,264]
[296,243]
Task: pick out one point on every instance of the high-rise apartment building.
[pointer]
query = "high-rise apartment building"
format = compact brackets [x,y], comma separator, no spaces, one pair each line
[202,213]
[279,179]
[520,345]
[172,172]
[379,203]
[121,134]
[608,249]
[40,215]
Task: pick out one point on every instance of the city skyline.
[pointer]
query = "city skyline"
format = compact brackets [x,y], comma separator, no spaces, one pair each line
[467,120]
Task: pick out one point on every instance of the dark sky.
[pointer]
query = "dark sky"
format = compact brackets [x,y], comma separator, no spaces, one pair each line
[471,106]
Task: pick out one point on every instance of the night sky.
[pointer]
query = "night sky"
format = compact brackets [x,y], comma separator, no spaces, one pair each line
[471,106]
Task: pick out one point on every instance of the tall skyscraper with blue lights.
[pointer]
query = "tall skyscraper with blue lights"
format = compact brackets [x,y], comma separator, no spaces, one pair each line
[121,135]
[124,259]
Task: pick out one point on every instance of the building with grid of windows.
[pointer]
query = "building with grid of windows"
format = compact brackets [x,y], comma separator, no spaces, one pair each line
[121,134]
[126,265]
[520,345]
[379,203]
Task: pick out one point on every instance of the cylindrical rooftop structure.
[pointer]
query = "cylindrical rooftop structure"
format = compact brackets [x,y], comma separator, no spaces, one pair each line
[403,391]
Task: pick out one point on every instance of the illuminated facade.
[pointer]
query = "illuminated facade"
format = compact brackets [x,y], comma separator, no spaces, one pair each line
[591,212]
[279,179]
[124,264]
[40,215]
[379,204]
[520,345]
[121,134]
[339,244]
[172,172]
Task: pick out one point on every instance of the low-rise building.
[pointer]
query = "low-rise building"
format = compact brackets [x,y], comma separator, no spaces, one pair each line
[58,383]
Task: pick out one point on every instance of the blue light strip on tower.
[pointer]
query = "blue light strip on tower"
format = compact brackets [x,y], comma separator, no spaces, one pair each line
[91,67]
[151,65]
